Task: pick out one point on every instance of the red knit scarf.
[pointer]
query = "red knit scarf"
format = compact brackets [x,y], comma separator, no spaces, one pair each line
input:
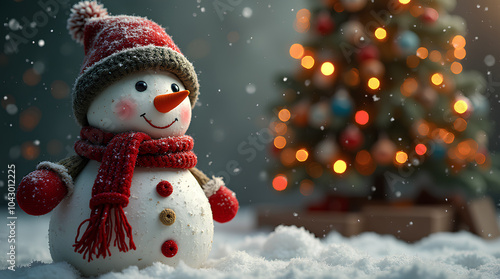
[119,154]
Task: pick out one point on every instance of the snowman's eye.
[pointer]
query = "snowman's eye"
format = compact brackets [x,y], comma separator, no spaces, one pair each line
[141,86]
[175,87]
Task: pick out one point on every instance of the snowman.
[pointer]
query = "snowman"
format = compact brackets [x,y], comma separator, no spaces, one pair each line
[132,194]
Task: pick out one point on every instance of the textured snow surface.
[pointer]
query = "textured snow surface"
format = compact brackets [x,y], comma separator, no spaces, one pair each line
[239,251]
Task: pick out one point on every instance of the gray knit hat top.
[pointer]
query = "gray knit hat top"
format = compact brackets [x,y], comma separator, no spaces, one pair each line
[119,45]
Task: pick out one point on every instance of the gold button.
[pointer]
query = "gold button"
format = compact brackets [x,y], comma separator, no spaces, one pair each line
[167,217]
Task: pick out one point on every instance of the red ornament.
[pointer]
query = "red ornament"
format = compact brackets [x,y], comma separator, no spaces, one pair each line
[324,23]
[367,53]
[351,138]
[430,15]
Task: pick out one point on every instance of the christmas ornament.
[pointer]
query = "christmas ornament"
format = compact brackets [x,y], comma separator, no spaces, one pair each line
[383,151]
[353,5]
[324,23]
[342,104]
[351,138]
[427,97]
[319,115]
[353,32]
[368,52]
[430,15]
[372,68]
[480,104]
[300,113]
[132,195]
[408,42]
[326,150]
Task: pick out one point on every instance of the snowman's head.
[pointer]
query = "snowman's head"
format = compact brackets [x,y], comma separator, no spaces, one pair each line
[153,102]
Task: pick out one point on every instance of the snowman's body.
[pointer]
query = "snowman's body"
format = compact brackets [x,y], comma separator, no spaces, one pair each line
[192,230]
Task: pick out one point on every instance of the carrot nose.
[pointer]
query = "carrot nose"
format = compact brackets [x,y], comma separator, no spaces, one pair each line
[167,102]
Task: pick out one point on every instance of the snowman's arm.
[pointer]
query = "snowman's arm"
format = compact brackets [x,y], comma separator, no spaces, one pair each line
[222,200]
[43,189]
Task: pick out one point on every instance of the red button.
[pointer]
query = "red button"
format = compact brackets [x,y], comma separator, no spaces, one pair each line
[169,248]
[164,188]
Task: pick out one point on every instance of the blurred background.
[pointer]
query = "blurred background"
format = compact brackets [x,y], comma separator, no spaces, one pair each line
[238,48]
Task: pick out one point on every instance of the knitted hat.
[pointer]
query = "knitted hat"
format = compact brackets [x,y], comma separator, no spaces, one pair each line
[119,45]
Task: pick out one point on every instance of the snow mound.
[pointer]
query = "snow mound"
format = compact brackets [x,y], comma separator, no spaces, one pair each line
[287,252]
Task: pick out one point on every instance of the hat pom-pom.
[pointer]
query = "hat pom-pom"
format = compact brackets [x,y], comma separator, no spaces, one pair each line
[80,13]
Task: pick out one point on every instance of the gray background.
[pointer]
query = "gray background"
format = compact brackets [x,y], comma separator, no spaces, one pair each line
[228,115]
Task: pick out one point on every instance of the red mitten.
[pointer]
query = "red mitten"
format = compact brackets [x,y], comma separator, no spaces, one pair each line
[224,204]
[40,191]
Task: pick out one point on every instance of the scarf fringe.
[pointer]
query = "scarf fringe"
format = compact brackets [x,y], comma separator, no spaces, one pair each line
[97,237]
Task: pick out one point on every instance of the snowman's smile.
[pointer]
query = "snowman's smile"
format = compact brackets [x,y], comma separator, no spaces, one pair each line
[158,127]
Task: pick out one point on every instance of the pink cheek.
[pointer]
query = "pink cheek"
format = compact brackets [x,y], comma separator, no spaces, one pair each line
[125,108]
[185,115]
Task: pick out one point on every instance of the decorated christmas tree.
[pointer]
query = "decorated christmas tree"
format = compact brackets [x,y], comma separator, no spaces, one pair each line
[380,97]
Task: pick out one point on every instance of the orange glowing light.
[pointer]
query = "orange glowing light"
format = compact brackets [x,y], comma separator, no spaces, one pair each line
[447,137]
[361,117]
[464,148]
[412,61]
[306,187]
[363,157]
[280,182]
[456,68]
[460,53]
[423,129]
[339,166]
[327,69]
[301,155]
[303,13]
[460,124]
[401,157]
[437,79]
[380,33]
[287,157]
[351,78]
[420,149]
[460,106]
[409,87]
[480,159]
[297,51]
[422,53]
[280,142]
[435,56]
[374,83]
[404,2]
[280,128]
[284,115]
[458,42]
[307,62]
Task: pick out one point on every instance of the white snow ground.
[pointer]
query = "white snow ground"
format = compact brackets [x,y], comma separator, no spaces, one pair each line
[239,251]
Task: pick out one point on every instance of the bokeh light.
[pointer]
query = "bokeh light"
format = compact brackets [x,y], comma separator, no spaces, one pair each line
[460,106]
[296,51]
[380,33]
[401,157]
[361,117]
[437,79]
[339,166]
[327,68]
[280,142]
[307,62]
[284,115]
[420,149]
[280,182]
[374,83]
[301,155]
